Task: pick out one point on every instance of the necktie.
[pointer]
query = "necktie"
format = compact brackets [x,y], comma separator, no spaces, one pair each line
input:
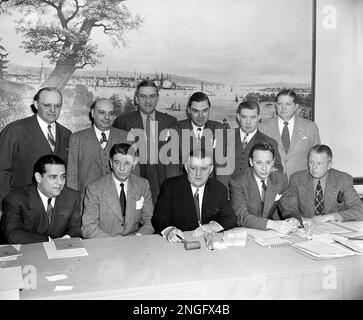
[49,210]
[199,134]
[103,140]
[51,137]
[244,141]
[122,199]
[197,208]
[319,200]
[263,191]
[285,137]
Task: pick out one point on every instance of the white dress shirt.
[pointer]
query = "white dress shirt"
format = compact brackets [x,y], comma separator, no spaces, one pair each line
[118,187]
[44,126]
[45,200]
[249,137]
[99,135]
[259,184]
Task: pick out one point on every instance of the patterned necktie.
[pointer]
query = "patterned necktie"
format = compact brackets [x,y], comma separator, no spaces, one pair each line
[285,137]
[103,140]
[244,141]
[263,191]
[197,208]
[319,200]
[123,199]
[49,210]
[51,137]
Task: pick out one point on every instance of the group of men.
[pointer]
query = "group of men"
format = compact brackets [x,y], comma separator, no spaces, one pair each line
[145,172]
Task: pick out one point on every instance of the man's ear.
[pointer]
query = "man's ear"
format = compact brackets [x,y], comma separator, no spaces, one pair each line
[186,167]
[250,161]
[211,169]
[111,164]
[35,104]
[38,177]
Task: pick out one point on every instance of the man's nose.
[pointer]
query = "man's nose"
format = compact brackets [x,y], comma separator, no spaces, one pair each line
[248,121]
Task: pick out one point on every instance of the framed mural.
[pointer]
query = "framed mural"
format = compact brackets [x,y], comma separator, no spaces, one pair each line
[232,50]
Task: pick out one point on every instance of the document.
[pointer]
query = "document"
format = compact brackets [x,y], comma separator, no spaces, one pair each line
[11,280]
[356,245]
[235,238]
[68,249]
[352,225]
[329,227]
[265,234]
[8,252]
[273,242]
[323,249]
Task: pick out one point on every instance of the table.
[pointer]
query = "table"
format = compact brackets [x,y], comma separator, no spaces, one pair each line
[148,267]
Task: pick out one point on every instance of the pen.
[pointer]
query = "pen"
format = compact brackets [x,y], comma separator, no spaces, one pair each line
[182,239]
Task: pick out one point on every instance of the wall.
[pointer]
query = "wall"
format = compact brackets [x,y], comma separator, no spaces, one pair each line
[339,81]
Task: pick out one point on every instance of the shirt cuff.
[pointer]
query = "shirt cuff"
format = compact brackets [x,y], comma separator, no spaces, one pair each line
[220,228]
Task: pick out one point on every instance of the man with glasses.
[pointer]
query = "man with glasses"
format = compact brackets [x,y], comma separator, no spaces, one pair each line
[193,201]
[24,141]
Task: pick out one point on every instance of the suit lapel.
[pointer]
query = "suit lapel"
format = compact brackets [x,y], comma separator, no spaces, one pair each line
[61,142]
[255,192]
[36,134]
[330,192]
[270,195]
[36,205]
[137,121]
[208,201]
[112,198]
[133,194]
[93,146]
[309,193]
[298,129]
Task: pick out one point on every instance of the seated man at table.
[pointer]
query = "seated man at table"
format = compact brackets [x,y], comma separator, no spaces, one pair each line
[119,203]
[193,201]
[44,210]
[255,193]
[321,192]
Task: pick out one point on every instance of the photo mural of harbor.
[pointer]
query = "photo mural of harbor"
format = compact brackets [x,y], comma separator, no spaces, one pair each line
[232,51]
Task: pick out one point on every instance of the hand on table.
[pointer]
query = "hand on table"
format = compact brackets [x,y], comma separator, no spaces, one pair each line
[284,226]
[171,236]
[208,227]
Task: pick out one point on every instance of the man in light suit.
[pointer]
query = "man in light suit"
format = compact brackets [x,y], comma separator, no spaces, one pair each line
[255,194]
[198,131]
[118,204]
[193,201]
[146,124]
[24,141]
[45,210]
[247,135]
[89,149]
[294,135]
[321,192]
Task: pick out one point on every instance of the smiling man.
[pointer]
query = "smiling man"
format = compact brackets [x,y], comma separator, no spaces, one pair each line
[321,192]
[193,201]
[118,204]
[255,194]
[24,141]
[44,210]
[89,149]
[294,135]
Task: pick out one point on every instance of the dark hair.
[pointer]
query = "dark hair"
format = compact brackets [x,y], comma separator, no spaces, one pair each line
[39,166]
[124,148]
[145,83]
[263,146]
[251,105]
[198,97]
[321,148]
[289,93]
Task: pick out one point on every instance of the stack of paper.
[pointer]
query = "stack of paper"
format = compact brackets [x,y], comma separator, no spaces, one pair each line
[352,225]
[9,252]
[234,238]
[265,234]
[11,280]
[273,242]
[65,248]
[323,249]
[356,245]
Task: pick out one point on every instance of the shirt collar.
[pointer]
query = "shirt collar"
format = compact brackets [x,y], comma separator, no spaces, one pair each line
[250,135]
[144,115]
[117,181]
[44,199]
[99,132]
[43,124]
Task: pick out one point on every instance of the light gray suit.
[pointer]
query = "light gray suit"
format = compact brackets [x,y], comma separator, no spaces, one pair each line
[304,136]
[102,216]
[87,161]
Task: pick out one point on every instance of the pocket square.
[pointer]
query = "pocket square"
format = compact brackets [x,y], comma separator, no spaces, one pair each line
[340,197]
[305,137]
[278,196]
[140,203]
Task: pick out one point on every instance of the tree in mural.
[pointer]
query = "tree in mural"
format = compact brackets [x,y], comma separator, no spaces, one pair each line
[3,61]
[64,29]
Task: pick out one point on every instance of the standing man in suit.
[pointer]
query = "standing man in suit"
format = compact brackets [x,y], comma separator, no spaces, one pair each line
[193,201]
[255,194]
[197,131]
[24,141]
[45,210]
[152,122]
[321,192]
[89,149]
[118,204]
[294,135]
[247,135]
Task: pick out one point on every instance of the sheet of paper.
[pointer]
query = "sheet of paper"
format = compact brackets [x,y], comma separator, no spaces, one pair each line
[57,277]
[353,225]
[328,227]
[273,242]
[70,243]
[11,278]
[9,252]
[323,248]
[63,288]
[53,253]
[265,234]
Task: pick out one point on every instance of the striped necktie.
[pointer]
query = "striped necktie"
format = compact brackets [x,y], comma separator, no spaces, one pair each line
[50,137]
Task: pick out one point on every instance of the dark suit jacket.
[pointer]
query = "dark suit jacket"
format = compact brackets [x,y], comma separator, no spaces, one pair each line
[246,199]
[22,143]
[241,155]
[186,146]
[175,205]
[155,173]
[25,220]
[298,201]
